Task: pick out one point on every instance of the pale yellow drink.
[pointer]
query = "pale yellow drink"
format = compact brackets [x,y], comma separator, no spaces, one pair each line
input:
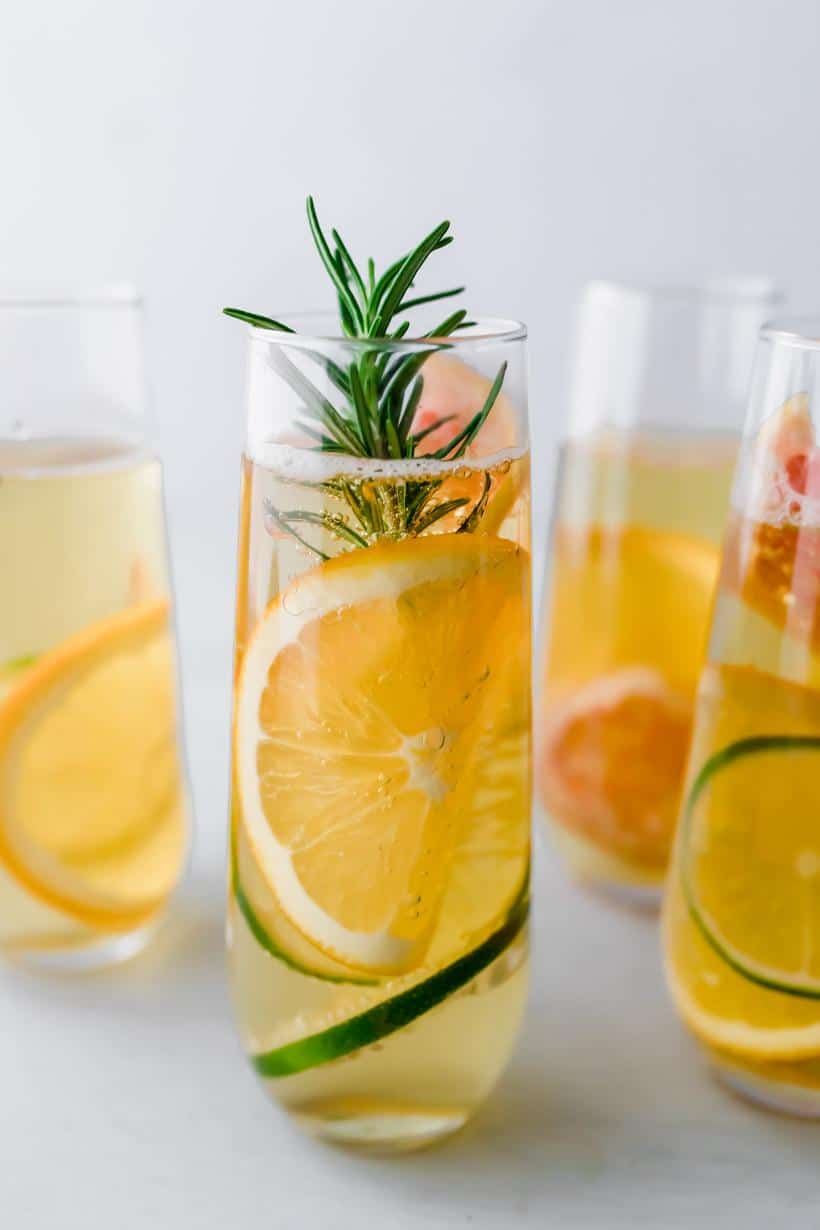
[742,912]
[380,835]
[636,546]
[92,830]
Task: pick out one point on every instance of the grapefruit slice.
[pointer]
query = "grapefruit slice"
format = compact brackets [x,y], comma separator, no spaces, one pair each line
[453,394]
[611,762]
[778,551]
[454,391]
[362,713]
[91,817]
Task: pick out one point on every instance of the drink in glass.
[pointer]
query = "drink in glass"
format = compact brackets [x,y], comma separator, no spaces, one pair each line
[93,826]
[380,827]
[742,911]
[643,487]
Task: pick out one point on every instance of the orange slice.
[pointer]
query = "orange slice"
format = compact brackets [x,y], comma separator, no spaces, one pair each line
[611,763]
[371,696]
[91,817]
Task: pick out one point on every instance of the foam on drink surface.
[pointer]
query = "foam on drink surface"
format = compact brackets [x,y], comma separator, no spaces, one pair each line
[300,465]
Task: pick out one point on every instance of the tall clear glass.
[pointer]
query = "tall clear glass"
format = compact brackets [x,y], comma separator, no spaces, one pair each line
[93,822]
[742,911]
[658,386]
[381,738]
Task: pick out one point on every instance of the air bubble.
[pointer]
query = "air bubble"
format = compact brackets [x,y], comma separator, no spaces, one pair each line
[435,739]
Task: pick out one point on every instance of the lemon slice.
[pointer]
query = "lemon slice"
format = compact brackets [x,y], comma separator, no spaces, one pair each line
[362,711]
[742,919]
[91,817]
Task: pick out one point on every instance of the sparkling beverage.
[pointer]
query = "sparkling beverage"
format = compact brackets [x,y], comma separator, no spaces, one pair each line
[92,831]
[380,820]
[636,545]
[742,912]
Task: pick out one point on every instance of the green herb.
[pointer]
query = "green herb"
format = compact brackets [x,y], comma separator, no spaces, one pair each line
[377,395]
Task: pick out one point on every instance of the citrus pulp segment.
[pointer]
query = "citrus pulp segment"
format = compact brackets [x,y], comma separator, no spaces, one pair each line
[363,698]
[90,806]
[269,926]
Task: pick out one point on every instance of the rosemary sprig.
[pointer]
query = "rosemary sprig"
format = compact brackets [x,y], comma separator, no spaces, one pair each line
[379,393]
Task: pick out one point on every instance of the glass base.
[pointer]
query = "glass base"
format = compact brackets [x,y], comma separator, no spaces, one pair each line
[84,958]
[606,875]
[640,898]
[770,1094]
[368,1126]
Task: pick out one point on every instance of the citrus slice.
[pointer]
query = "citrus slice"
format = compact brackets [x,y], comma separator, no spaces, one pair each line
[362,703]
[455,392]
[407,999]
[488,871]
[750,861]
[90,808]
[452,394]
[482,918]
[270,927]
[776,555]
[611,762]
[742,915]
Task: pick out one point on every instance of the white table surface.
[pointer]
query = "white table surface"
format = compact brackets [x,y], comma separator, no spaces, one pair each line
[125,1101]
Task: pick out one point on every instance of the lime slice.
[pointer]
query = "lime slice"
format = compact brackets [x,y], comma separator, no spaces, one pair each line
[271,929]
[750,859]
[388,1015]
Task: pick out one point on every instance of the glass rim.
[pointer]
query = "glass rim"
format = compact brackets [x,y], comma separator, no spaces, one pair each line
[727,289]
[488,331]
[797,332]
[117,295]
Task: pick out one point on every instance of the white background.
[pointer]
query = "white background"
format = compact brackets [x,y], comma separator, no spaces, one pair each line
[172,144]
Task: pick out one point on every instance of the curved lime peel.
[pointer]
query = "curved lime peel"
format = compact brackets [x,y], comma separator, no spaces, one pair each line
[392,1014]
[264,940]
[17,664]
[10,670]
[750,746]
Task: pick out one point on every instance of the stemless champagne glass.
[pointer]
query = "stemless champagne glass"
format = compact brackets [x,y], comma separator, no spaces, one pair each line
[742,912]
[93,826]
[380,834]
[656,406]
